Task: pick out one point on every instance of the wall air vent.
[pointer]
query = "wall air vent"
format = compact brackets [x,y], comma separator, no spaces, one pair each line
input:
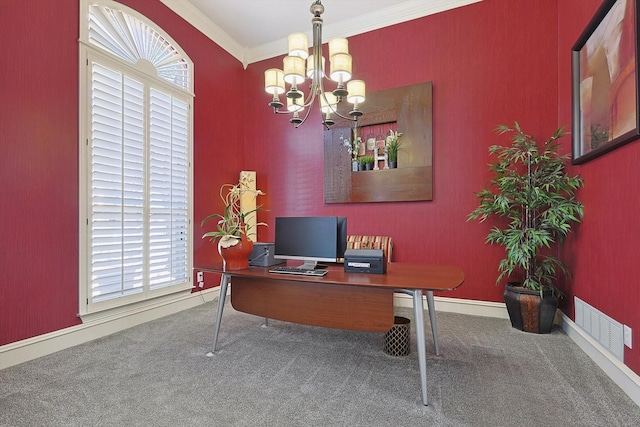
[606,331]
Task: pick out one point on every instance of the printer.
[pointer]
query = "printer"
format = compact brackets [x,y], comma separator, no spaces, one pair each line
[365,261]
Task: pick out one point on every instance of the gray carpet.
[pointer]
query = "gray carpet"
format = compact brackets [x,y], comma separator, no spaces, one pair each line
[157,374]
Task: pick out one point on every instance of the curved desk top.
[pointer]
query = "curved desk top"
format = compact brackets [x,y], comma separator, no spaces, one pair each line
[400,275]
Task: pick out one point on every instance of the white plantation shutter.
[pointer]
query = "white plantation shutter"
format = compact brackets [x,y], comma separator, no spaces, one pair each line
[125,241]
[117,184]
[136,147]
[168,190]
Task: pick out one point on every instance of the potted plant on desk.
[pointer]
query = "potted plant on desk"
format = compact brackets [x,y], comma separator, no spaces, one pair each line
[532,191]
[231,229]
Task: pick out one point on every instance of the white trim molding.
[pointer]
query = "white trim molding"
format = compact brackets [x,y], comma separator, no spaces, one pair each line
[359,24]
[32,348]
[619,373]
[195,17]
[98,327]
[460,306]
[402,12]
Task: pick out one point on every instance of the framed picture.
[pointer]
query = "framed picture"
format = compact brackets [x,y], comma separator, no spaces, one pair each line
[605,81]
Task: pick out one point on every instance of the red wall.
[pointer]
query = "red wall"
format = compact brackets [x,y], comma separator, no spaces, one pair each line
[492,62]
[604,251]
[39,168]
[489,63]
[39,153]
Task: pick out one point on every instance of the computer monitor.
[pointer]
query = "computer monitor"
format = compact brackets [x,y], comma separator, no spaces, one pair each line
[310,239]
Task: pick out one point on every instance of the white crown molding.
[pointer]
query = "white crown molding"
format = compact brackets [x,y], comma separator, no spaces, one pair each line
[404,11]
[203,24]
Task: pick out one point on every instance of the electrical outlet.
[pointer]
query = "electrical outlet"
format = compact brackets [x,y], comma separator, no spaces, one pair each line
[627,336]
[200,276]
[201,284]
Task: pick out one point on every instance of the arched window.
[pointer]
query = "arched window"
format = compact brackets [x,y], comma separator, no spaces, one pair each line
[136,40]
[135,159]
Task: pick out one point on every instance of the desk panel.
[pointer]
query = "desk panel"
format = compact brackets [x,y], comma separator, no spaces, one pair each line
[314,303]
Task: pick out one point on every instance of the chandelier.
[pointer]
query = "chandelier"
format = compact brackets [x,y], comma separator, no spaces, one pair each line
[295,71]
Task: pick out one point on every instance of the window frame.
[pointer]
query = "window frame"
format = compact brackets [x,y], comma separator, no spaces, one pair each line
[140,71]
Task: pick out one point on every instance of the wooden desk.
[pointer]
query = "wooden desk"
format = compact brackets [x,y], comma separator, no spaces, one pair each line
[338,300]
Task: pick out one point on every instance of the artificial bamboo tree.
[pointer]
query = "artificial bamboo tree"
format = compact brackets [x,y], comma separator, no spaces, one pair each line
[531,189]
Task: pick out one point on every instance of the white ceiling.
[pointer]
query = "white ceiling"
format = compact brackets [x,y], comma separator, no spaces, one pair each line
[253,30]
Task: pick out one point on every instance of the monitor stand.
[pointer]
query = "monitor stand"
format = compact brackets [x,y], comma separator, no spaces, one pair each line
[308,265]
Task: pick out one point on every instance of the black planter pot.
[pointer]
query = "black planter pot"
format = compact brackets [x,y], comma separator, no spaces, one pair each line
[527,311]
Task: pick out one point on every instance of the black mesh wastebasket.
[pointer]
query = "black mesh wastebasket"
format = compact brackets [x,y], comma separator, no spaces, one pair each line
[396,339]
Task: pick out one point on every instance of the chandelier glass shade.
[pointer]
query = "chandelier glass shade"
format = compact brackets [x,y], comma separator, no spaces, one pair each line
[298,66]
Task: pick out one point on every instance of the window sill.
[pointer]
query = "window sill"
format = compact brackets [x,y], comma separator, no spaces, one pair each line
[136,308]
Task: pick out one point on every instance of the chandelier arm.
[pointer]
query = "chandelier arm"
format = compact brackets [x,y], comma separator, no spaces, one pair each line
[309,107]
[304,119]
[310,98]
[308,103]
[335,111]
[278,111]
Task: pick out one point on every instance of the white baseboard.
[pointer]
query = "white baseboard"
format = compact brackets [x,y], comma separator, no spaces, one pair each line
[620,373]
[41,345]
[32,348]
[460,306]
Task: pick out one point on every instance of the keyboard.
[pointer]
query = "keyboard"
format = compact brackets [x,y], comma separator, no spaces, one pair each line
[298,271]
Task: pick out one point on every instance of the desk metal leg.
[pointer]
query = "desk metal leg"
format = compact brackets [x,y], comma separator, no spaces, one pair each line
[432,316]
[224,283]
[418,312]
[432,319]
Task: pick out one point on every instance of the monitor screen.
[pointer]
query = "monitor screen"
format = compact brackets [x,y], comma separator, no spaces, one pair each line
[310,239]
